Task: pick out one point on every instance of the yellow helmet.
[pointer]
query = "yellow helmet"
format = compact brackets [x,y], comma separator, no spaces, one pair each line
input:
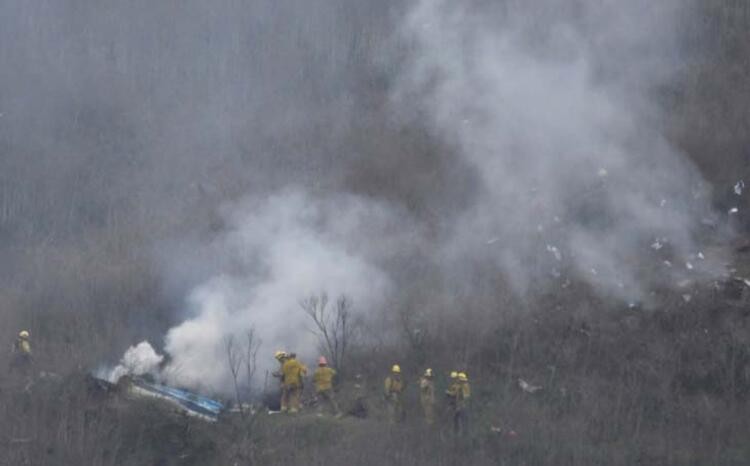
[428,373]
[454,375]
[23,334]
[462,377]
[396,369]
[279,355]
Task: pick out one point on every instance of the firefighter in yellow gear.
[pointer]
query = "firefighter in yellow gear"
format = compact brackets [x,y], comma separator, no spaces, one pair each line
[293,373]
[458,394]
[393,391]
[323,381]
[280,356]
[22,358]
[427,396]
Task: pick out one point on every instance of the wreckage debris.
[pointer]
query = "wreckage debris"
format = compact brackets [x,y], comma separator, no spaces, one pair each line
[739,187]
[527,387]
[186,402]
[555,252]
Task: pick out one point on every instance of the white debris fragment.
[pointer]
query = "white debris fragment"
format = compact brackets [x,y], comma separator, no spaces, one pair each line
[555,252]
[631,305]
[684,283]
[739,187]
[556,273]
[667,263]
[688,265]
[602,172]
[657,245]
[701,256]
[527,387]
[686,298]
[663,203]
[594,272]
[733,210]
[493,240]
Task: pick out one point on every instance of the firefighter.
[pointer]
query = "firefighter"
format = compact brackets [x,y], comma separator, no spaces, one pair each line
[280,356]
[22,359]
[323,381]
[458,394]
[293,373]
[427,396]
[394,388]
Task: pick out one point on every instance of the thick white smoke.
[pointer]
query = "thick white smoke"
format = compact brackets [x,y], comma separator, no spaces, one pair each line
[275,252]
[551,103]
[138,360]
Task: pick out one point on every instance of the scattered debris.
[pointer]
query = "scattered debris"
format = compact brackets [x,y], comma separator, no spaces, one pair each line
[593,271]
[667,263]
[733,210]
[739,187]
[657,245]
[687,298]
[701,256]
[189,403]
[555,252]
[527,387]
[663,203]
[493,240]
[688,265]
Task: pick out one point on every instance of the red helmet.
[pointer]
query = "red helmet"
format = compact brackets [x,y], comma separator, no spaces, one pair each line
[322,361]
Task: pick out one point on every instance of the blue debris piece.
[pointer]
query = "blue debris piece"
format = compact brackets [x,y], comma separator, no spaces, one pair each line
[190,402]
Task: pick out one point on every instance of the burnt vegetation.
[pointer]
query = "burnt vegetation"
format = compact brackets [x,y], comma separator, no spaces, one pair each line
[92,186]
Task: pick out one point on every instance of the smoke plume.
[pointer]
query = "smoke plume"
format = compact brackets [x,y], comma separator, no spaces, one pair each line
[138,360]
[550,105]
[244,155]
[553,104]
[274,253]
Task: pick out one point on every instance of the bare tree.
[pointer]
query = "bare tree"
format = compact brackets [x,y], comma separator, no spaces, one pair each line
[333,327]
[252,344]
[241,357]
[235,359]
